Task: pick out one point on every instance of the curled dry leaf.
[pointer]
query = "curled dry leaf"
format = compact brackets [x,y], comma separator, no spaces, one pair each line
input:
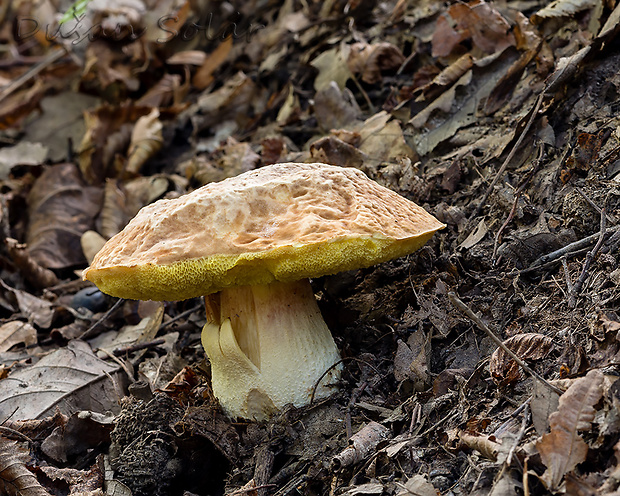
[486,445]
[527,346]
[370,60]
[146,141]
[447,77]
[15,478]
[562,449]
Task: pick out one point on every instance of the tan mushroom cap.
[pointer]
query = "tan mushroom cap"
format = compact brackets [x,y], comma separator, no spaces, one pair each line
[282,222]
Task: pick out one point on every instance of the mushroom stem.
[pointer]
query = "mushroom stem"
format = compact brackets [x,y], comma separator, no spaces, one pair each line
[268,346]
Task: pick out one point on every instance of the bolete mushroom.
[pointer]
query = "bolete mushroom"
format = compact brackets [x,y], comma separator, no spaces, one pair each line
[249,244]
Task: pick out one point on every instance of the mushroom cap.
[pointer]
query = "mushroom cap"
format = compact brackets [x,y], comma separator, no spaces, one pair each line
[282,222]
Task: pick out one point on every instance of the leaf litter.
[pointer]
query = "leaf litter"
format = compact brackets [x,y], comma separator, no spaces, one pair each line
[500,118]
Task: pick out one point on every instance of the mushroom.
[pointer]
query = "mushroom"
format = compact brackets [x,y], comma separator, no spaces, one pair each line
[248,244]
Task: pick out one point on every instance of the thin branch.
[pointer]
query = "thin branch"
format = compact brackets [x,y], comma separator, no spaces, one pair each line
[502,169]
[576,289]
[566,250]
[90,332]
[458,303]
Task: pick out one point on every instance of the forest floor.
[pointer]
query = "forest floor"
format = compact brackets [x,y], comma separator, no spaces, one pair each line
[499,118]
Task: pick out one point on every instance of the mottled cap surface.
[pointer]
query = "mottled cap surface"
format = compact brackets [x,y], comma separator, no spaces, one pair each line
[282,222]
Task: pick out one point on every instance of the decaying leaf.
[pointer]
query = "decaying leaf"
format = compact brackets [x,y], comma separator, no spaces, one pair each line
[16,332]
[69,379]
[204,74]
[560,8]
[527,346]
[417,485]
[36,309]
[61,208]
[370,60]
[562,449]
[146,141]
[15,478]
[108,133]
[38,276]
[332,66]
[476,20]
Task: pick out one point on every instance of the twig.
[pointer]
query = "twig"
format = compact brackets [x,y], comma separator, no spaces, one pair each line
[524,423]
[576,289]
[598,209]
[28,75]
[566,250]
[518,193]
[138,346]
[90,332]
[458,303]
[12,433]
[502,169]
[569,283]
[180,316]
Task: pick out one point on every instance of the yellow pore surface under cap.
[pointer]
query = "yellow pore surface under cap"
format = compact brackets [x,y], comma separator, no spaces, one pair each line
[282,222]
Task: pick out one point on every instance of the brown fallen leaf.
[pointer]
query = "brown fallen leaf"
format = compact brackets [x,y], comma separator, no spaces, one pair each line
[204,74]
[527,346]
[69,379]
[60,207]
[488,446]
[146,141]
[15,478]
[370,60]
[446,77]
[16,332]
[476,20]
[562,449]
[108,134]
[38,276]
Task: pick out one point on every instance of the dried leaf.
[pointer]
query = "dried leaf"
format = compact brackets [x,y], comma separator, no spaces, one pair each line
[332,66]
[562,449]
[146,141]
[336,109]
[478,21]
[204,74]
[15,478]
[35,309]
[527,346]
[418,486]
[486,445]
[61,208]
[69,379]
[24,153]
[38,276]
[166,92]
[544,402]
[16,332]
[447,77]
[91,242]
[82,431]
[108,133]
[560,8]
[370,60]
